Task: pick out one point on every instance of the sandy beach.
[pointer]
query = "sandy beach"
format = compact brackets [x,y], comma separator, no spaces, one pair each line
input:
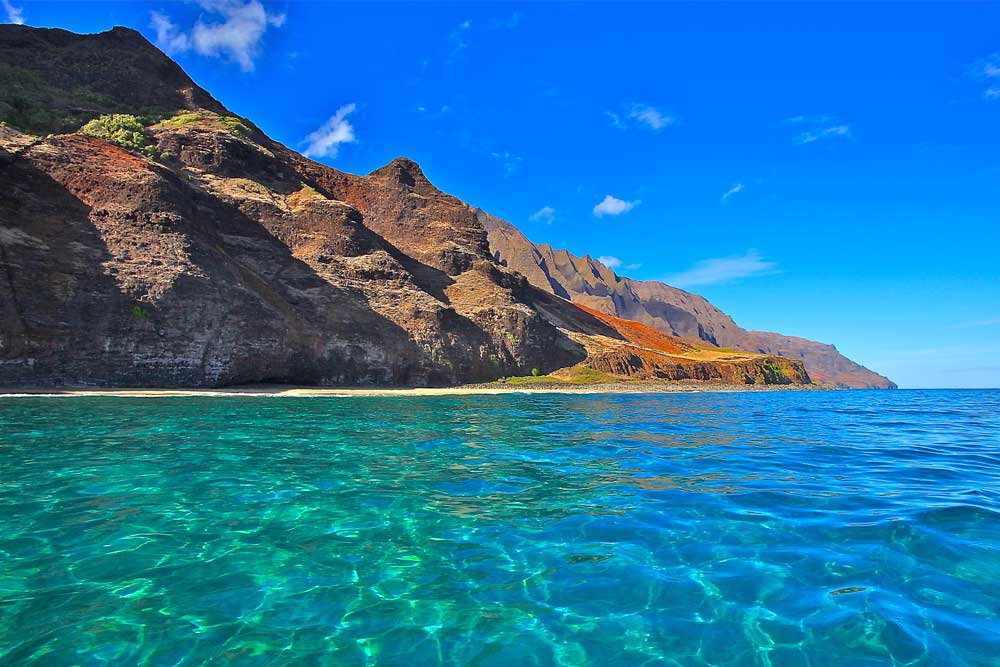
[464,390]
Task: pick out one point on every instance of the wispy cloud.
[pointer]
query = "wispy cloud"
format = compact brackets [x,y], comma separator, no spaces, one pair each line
[810,136]
[988,322]
[510,161]
[735,190]
[326,141]
[14,14]
[724,270]
[459,37]
[817,128]
[616,120]
[643,115]
[613,206]
[169,37]
[237,37]
[545,214]
[988,70]
[650,116]
[613,262]
[432,112]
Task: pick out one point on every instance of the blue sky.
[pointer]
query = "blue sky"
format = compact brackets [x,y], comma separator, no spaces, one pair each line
[824,170]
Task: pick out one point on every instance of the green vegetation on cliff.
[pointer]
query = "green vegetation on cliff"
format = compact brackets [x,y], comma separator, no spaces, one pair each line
[232,124]
[181,119]
[122,129]
[578,375]
[235,126]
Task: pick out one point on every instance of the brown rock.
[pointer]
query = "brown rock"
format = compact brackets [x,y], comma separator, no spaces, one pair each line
[233,259]
[590,283]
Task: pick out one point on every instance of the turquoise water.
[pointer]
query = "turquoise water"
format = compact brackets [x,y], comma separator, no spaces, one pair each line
[784,529]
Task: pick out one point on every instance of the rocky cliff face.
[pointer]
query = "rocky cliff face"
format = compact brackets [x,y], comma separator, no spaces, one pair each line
[227,258]
[650,354]
[590,283]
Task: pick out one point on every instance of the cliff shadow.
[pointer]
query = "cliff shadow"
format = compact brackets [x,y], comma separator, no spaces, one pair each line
[52,279]
[74,314]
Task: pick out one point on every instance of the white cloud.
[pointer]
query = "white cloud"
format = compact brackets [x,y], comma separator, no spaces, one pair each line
[510,161]
[810,136]
[650,116]
[616,120]
[14,14]
[609,261]
[458,37]
[816,128]
[431,111]
[168,36]
[237,37]
[545,214]
[989,71]
[736,189]
[614,206]
[815,119]
[723,270]
[633,267]
[326,141]
[640,115]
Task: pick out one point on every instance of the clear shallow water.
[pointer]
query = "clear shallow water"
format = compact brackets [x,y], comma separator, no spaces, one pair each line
[809,528]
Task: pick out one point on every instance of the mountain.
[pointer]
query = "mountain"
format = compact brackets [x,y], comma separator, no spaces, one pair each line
[590,283]
[150,237]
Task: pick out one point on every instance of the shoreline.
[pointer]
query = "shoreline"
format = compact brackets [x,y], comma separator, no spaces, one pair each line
[491,389]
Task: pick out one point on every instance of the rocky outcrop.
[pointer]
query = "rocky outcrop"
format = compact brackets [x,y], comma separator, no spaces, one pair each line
[650,354]
[588,282]
[231,259]
[641,365]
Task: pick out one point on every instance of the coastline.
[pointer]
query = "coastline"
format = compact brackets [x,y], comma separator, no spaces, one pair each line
[489,389]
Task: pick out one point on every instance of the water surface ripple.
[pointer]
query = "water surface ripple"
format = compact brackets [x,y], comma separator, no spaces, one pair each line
[784,529]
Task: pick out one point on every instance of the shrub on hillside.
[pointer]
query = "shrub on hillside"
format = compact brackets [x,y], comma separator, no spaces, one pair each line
[122,129]
[181,119]
[235,126]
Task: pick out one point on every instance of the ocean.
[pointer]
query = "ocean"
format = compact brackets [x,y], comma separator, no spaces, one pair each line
[842,528]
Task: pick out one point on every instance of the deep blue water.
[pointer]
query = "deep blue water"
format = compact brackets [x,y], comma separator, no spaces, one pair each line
[784,529]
